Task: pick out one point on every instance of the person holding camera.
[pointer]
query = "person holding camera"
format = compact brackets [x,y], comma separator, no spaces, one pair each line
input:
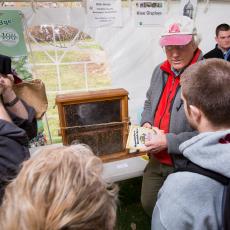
[17,126]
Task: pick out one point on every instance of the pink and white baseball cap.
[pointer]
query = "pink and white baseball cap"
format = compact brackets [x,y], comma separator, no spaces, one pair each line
[178,30]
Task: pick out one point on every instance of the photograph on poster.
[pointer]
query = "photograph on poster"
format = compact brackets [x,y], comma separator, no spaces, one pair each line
[188,8]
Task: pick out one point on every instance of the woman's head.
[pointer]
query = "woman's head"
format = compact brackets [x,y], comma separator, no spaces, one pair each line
[60,188]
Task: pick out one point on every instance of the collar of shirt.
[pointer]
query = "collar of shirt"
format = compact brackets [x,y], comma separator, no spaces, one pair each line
[176,72]
[226,54]
[223,50]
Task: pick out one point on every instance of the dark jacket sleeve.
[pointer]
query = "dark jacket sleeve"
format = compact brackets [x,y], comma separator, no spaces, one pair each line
[13,144]
[29,125]
[174,140]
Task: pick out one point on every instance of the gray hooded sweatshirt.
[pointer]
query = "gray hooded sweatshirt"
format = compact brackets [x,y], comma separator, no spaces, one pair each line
[189,200]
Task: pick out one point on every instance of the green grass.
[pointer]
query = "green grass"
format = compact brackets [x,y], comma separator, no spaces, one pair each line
[130,212]
[71,75]
[69,56]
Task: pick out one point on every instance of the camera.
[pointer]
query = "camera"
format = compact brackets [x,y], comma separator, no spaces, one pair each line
[5,65]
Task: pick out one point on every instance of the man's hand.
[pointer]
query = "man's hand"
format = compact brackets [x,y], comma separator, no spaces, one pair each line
[6,82]
[157,130]
[8,95]
[147,125]
[157,143]
[6,87]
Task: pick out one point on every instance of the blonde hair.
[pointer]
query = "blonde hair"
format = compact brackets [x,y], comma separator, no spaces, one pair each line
[60,188]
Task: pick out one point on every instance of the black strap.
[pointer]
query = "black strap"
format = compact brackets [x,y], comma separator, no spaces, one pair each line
[226,221]
[191,167]
[12,103]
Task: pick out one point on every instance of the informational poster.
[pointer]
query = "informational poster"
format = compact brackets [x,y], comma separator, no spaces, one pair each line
[188,8]
[149,13]
[12,41]
[104,13]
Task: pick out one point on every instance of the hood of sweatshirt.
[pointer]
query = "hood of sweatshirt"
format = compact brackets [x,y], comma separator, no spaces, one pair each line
[210,150]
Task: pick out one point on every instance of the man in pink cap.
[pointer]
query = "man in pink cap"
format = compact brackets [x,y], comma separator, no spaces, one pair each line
[163,108]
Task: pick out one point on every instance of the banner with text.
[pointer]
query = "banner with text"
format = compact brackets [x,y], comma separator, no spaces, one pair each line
[149,13]
[12,41]
[104,13]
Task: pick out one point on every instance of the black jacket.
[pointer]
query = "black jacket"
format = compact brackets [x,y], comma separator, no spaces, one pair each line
[215,53]
[14,145]
[29,125]
[13,151]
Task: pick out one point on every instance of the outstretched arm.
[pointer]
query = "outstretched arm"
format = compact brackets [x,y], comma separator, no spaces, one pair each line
[20,113]
[13,104]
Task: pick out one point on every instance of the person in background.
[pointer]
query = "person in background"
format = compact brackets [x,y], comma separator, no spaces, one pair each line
[163,108]
[17,123]
[189,200]
[60,188]
[222,49]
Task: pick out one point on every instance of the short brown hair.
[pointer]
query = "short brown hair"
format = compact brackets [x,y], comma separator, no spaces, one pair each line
[222,27]
[206,85]
[60,188]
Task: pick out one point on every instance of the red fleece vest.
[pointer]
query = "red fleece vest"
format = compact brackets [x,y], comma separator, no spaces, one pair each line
[163,111]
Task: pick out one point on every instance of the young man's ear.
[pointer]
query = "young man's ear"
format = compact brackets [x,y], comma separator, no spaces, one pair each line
[195,113]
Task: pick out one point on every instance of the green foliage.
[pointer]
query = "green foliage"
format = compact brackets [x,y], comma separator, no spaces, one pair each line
[20,64]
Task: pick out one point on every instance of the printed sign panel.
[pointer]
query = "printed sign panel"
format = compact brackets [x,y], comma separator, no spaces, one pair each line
[149,13]
[188,8]
[12,41]
[104,13]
